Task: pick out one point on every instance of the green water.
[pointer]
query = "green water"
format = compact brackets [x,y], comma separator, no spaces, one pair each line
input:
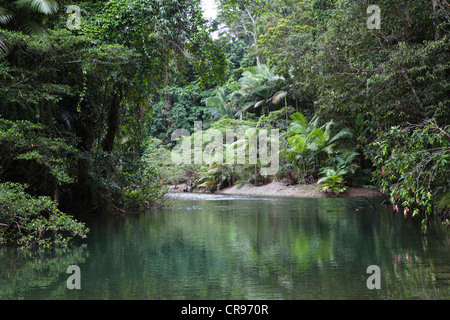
[228,247]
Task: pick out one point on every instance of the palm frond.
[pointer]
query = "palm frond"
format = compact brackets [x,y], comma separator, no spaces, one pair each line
[297,116]
[259,104]
[314,123]
[214,101]
[327,127]
[247,106]
[5,15]
[278,96]
[318,139]
[32,28]
[4,48]
[344,133]
[313,146]
[298,144]
[41,6]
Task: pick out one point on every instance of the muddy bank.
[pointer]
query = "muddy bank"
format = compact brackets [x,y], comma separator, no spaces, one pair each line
[280,189]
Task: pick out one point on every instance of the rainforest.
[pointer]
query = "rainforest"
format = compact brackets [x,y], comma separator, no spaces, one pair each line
[97,97]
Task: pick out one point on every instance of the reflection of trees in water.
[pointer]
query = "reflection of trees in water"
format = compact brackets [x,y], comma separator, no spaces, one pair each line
[414,262]
[415,277]
[313,252]
[26,271]
[312,249]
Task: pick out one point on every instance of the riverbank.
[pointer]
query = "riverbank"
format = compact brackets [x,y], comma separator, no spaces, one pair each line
[280,189]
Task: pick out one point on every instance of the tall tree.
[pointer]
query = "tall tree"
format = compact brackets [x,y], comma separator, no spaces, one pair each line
[393,74]
[95,85]
[240,18]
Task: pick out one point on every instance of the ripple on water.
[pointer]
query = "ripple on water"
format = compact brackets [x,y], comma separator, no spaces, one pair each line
[209,196]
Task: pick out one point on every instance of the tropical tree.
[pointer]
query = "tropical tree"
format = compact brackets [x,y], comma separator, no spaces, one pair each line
[220,105]
[94,87]
[258,85]
[240,18]
[394,74]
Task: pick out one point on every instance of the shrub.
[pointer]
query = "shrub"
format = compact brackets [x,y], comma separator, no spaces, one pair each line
[30,154]
[412,166]
[334,173]
[27,220]
[308,142]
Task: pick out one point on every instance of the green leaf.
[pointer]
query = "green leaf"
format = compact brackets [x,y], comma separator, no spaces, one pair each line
[42,6]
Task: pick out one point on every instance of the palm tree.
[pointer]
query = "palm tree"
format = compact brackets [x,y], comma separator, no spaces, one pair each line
[15,16]
[258,85]
[239,97]
[220,105]
[279,96]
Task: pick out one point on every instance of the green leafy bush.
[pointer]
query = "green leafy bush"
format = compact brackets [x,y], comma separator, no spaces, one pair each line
[30,154]
[214,177]
[308,142]
[140,186]
[157,158]
[27,220]
[334,174]
[412,166]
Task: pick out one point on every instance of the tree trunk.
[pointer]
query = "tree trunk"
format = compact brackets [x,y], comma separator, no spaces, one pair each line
[167,100]
[113,123]
[255,41]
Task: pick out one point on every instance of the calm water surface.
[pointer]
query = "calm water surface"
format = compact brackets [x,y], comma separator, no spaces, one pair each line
[230,247]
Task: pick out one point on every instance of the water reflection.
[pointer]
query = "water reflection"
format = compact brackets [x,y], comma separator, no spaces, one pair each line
[24,271]
[233,247]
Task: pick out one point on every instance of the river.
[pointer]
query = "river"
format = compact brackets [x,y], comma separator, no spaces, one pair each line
[203,246]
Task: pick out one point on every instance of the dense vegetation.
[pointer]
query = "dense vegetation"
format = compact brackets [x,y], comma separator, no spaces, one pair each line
[75,103]
[88,106]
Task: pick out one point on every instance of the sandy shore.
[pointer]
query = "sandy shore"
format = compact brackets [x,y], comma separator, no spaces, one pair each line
[280,189]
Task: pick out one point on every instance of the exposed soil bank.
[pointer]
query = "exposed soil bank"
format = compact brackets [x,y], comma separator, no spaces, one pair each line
[280,189]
